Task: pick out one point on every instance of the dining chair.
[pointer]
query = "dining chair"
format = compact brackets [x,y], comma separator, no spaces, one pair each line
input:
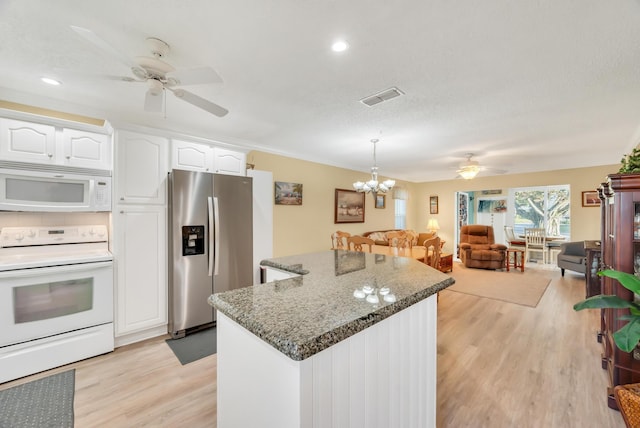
[535,242]
[339,240]
[397,239]
[358,241]
[432,251]
[512,240]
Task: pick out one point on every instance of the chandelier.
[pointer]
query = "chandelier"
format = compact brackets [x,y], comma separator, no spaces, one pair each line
[373,186]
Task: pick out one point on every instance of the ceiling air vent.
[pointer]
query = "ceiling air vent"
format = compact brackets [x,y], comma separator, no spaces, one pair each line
[385,95]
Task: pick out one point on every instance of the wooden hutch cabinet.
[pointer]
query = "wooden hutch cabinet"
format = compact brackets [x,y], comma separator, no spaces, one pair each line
[620,197]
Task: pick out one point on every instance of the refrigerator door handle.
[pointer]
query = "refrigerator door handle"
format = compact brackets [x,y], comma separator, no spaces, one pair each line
[216,228]
[211,233]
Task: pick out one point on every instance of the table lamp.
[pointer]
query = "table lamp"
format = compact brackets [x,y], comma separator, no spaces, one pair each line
[433,225]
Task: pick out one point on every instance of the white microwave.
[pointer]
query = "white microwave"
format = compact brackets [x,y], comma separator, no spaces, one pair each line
[48,188]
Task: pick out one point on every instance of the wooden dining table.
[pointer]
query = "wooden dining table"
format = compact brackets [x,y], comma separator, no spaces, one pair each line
[416,252]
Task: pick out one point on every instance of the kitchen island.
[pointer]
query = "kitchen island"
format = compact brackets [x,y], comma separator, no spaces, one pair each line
[349,341]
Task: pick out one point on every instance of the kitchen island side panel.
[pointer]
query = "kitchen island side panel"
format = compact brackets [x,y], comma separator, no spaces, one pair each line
[382,376]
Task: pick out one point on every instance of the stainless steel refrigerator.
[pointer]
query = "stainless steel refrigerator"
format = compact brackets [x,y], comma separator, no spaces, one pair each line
[210,244]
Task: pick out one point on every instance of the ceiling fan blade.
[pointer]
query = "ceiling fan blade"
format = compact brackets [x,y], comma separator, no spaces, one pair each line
[153,101]
[197,101]
[195,76]
[92,38]
[89,75]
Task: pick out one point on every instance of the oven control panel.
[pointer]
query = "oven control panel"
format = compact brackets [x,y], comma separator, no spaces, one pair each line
[50,235]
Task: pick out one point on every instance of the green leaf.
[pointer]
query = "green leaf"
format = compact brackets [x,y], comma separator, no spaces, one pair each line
[628,280]
[604,301]
[628,336]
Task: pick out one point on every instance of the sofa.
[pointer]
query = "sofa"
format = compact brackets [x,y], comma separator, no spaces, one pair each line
[379,236]
[572,256]
[478,248]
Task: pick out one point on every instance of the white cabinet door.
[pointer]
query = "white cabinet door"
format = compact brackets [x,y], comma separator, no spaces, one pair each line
[27,142]
[229,162]
[141,168]
[86,149]
[141,268]
[191,156]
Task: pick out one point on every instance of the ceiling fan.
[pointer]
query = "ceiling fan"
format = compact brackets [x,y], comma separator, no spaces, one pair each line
[470,168]
[159,75]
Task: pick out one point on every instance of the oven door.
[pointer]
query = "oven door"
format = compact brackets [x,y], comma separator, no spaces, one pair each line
[41,302]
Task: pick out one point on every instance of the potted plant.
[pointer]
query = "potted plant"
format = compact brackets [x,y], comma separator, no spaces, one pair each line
[630,163]
[629,335]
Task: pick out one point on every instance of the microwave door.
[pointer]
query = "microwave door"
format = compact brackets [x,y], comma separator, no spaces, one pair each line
[38,191]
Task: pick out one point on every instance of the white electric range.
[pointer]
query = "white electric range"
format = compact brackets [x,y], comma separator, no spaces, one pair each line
[56,297]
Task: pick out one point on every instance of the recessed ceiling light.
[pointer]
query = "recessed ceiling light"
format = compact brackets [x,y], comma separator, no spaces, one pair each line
[340,46]
[50,81]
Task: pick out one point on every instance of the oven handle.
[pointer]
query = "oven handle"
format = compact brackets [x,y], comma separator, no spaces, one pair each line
[27,273]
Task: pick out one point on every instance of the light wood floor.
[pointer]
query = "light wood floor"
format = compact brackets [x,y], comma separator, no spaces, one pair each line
[499,365]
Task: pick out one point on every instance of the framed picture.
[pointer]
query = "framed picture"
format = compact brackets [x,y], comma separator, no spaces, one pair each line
[380,201]
[349,206]
[590,199]
[433,205]
[288,193]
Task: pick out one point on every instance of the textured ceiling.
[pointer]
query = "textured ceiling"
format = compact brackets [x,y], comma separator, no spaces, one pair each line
[526,86]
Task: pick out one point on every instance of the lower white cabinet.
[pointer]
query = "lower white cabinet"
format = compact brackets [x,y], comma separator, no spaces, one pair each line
[141,270]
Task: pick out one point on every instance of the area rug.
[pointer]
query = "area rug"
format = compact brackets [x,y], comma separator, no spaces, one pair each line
[523,288]
[46,402]
[194,346]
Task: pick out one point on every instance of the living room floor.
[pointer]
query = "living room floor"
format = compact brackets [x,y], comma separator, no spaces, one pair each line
[499,365]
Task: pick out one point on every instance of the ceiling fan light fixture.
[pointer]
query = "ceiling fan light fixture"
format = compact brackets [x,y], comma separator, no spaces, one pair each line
[469,172]
[155,87]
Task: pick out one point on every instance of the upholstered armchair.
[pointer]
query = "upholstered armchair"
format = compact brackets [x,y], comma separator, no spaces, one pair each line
[478,248]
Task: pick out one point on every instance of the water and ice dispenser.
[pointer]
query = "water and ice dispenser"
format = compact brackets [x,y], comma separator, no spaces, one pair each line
[192,240]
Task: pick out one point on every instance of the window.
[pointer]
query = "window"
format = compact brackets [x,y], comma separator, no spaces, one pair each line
[401,213]
[542,207]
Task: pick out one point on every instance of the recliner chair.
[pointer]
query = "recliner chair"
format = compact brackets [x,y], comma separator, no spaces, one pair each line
[478,248]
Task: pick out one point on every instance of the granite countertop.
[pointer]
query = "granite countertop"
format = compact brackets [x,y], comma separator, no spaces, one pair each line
[332,299]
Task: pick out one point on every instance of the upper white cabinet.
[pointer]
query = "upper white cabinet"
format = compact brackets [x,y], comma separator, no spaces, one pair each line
[27,142]
[86,149]
[191,156]
[40,143]
[141,168]
[230,162]
[205,157]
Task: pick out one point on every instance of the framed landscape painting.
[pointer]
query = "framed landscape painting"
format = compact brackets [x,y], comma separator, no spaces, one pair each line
[349,207]
[288,193]
[590,199]
[380,201]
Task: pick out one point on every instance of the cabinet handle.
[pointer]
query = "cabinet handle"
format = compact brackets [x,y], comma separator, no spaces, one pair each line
[122,198]
[50,155]
[121,212]
[68,157]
